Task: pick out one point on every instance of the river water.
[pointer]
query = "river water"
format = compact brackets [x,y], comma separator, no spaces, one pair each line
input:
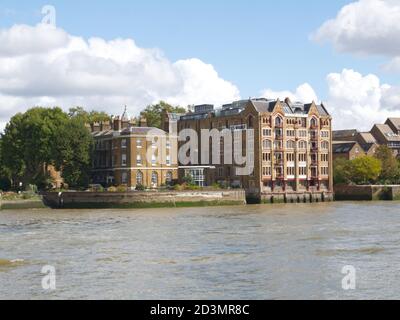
[292,251]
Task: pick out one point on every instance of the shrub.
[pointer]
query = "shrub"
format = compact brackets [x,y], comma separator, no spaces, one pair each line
[112,189]
[140,187]
[122,188]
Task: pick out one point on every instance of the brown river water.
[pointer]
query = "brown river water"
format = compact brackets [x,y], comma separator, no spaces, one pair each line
[294,251]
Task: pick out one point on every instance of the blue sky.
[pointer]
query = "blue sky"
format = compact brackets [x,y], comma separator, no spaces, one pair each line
[256,47]
[254,44]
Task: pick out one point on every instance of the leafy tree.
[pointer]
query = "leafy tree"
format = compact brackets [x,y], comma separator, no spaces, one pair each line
[341,171]
[365,170]
[390,165]
[88,117]
[74,151]
[152,113]
[46,136]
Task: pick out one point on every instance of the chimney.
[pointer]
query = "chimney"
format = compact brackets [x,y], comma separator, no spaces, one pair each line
[96,127]
[105,125]
[133,122]
[117,123]
[143,121]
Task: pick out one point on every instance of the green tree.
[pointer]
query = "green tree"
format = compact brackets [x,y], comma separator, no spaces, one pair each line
[390,165]
[46,136]
[88,117]
[365,170]
[152,113]
[74,151]
[342,171]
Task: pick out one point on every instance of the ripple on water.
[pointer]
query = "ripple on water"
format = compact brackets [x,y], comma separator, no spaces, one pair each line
[8,264]
[335,252]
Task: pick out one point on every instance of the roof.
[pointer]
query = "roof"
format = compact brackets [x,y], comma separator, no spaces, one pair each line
[341,134]
[142,131]
[367,137]
[387,132]
[343,147]
[367,146]
[395,122]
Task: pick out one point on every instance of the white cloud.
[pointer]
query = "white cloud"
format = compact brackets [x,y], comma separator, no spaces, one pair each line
[42,65]
[354,100]
[304,93]
[366,27]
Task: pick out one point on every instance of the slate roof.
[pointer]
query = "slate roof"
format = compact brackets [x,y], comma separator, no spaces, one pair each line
[343,147]
[342,134]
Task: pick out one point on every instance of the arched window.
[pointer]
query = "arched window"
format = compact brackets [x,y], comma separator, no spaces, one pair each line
[291,144]
[124,178]
[168,177]
[139,178]
[325,145]
[302,144]
[267,144]
[313,122]
[278,121]
[154,179]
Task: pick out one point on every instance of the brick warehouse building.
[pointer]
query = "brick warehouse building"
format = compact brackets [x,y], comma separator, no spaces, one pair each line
[292,148]
[121,154]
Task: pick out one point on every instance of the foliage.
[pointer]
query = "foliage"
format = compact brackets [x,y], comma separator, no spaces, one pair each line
[365,169]
[152,113]
[140,187]
[122,188]
[91,117]
[390,165]
[41,137]
[359,171]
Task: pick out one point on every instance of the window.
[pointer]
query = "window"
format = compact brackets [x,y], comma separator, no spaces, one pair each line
[267,171]
[139,178]
[267,132]
[325,134]
[154,179]
[123,160]
[290,171]
[324,171]
[313,123]
[302,133]
[123,143]
[278,145]
[302,171]
[169,177]
[278,122]
[290,157]
[168,160]
[266,156]
[220,172]
[139,160]
[302,157]
[267,144]
[124,178]
[168,144]
[278,133]
[302,144]
[291,144]
[153,160]
[325,145]
[324,157]
[290,133]
[138,143]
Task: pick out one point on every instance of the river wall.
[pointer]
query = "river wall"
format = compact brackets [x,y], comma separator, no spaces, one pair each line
[367,193]
[305,197]
[72,200]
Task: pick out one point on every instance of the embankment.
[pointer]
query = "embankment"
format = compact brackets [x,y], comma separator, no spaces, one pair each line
[367,193]
[153,199]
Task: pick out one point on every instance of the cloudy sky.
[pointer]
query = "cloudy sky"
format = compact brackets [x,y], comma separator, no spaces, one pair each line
[107,54]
